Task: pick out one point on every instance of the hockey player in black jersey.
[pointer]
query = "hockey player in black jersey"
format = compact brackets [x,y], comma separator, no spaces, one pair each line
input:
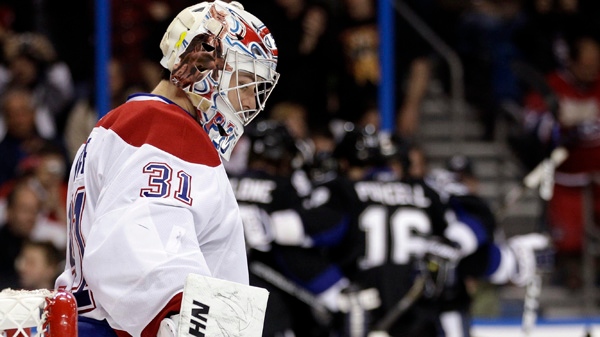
[375,230]
[400,221]
[475,227]
[486,254]
[269,189]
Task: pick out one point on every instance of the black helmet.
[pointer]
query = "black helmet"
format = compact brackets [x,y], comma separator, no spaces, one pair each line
[360,146]
[323,167]
[397,148]
[272,141]
[461,165]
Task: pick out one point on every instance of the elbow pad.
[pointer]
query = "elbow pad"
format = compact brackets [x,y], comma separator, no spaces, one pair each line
[288,229]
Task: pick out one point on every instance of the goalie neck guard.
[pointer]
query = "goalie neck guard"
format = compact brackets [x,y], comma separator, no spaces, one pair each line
[216,52]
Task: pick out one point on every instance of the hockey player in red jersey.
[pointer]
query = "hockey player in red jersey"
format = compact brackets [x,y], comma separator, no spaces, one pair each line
[149,198]
[576,127]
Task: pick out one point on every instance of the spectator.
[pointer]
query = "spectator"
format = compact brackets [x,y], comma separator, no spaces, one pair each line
[32,64]
[47,177]
[294,116]
[306,35]
[6,21]
[22,224]
[137,27]
[83,116]
[38,265]
[130,28]
[357,74]
[22,138]
[542,38]
[486,44]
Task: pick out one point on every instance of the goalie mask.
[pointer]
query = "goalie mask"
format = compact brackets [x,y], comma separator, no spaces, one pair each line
[224,58]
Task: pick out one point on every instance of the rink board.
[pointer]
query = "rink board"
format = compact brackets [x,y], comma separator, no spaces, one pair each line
[544,328]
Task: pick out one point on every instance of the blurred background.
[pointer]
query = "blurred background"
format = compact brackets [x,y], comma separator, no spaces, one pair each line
[501,82]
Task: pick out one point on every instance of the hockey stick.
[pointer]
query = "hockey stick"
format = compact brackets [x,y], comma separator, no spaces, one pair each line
[275,278]
[349,303]
[380,329]
[541,176]
[531,304]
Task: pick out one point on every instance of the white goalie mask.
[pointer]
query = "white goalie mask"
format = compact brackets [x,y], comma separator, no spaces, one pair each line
[224,58]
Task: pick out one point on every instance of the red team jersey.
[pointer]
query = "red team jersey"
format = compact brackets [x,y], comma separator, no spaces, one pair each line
[579,124]
[149,202]
[579,120]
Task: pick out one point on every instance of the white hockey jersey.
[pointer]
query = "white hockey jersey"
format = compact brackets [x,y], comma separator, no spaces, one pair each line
[149,203]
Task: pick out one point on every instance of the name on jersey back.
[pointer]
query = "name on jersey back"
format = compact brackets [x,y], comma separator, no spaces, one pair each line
[392,193]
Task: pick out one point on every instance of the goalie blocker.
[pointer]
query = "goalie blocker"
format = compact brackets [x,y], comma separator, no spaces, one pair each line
[215,307]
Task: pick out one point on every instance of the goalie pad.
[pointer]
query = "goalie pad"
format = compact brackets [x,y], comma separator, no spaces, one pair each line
[214,307]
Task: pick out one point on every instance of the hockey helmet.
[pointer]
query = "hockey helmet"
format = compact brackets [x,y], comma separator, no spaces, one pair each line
[215,51]
[360,146]
[271,140]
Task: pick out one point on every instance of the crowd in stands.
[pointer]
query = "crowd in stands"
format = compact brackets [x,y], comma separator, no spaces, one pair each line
[329,66]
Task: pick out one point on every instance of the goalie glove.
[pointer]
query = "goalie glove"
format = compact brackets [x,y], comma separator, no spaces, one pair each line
[168,326]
